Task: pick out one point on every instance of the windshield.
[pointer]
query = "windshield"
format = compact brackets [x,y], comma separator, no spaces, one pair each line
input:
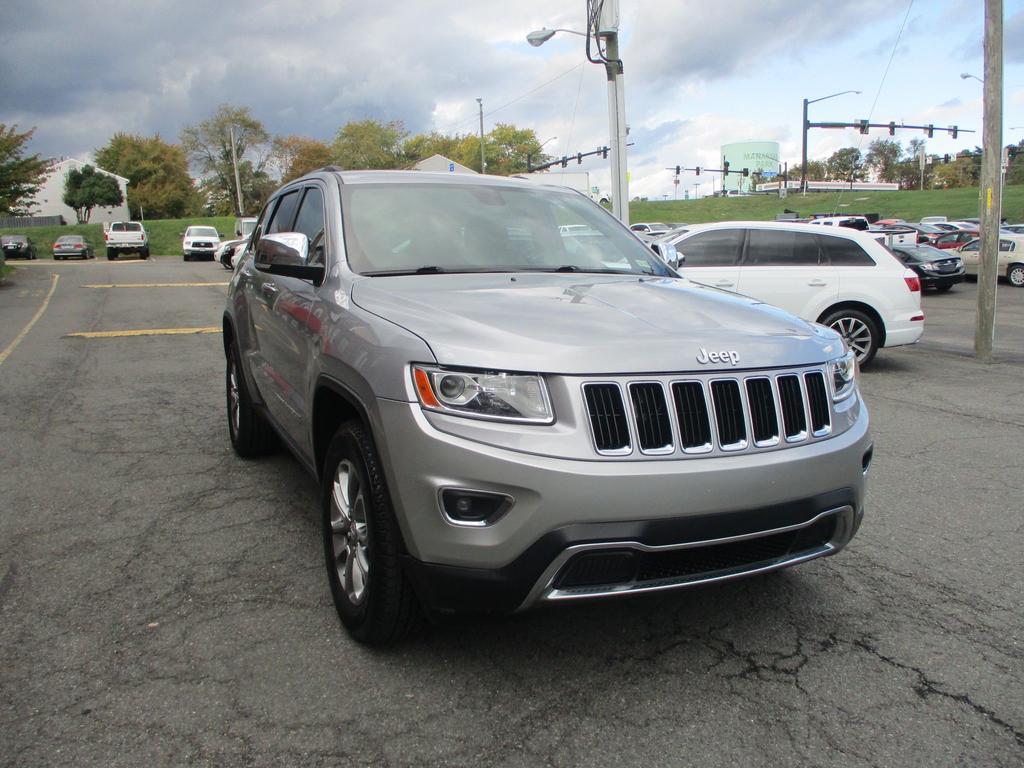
[248,225]
[70,239]
[426,227]
[126,226]
[923,253]
[12,239]
[201,232]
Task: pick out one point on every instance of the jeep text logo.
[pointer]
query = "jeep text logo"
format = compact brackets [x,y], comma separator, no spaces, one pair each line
[725,356]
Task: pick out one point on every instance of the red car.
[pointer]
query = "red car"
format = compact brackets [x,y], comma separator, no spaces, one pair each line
[954,239]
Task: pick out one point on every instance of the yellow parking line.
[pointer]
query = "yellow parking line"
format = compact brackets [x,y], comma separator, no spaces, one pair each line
[143,332]
[149,285]
[39,313]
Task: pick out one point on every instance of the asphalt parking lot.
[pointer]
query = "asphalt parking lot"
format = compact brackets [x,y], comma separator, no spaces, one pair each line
[163,602]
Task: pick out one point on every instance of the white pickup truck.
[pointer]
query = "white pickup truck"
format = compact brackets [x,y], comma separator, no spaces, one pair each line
[125,237]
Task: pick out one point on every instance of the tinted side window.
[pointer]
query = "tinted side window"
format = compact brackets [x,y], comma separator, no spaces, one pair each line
[845,253]
[284,214]
[778,248]
[310,222]
[718,248]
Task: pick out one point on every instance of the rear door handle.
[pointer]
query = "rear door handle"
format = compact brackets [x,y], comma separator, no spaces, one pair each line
[725,284]
[269,290]
[818,282]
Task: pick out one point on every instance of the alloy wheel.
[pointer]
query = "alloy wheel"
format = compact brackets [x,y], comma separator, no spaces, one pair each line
[349,533]
[856,333]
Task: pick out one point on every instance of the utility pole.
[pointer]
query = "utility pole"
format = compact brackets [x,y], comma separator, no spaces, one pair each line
[234,162]
[991,192]
[483,162]
[608,29]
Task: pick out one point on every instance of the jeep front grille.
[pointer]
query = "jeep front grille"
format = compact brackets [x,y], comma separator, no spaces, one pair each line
[708,413]
[607,418]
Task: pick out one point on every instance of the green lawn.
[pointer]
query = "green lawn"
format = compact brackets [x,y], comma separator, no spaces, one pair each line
[164,234]
[908,205]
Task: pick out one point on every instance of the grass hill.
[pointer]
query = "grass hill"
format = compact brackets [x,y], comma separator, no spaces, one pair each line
[908,205]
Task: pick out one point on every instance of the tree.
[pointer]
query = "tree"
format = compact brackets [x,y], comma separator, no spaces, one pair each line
[296,156]
[85,189]
[424,145]
[208,145]
[507,148]
[846,164]
[962,171]
[20,175]
[159,185]
[370,144]
[815,171]
[1015,171]
[882,158]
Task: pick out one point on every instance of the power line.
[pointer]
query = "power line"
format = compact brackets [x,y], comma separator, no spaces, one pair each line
[513,101]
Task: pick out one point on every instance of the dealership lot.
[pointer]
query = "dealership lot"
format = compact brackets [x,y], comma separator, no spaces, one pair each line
[163,602]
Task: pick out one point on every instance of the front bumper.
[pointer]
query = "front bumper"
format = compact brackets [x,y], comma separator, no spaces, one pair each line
[561,503]
[938,280]
[202,253]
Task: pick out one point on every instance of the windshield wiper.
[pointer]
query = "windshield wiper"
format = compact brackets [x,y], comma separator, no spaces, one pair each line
[431,270]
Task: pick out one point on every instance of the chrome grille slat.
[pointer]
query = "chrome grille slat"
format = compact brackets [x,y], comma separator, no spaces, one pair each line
[708,414]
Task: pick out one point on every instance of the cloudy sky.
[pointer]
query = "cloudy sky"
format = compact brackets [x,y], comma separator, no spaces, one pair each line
[698,73]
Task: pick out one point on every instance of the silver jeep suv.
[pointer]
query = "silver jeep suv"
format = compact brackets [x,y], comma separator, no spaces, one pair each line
[508,399]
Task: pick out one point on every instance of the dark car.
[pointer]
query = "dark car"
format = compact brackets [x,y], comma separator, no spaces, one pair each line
[926,233]
[936,269]
[72,245]
[18,245]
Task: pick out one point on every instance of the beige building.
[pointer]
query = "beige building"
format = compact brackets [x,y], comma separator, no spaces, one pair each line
[49,200]
[441,164]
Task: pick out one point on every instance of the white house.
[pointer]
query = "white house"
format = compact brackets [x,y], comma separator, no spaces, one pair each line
[49,200]
[441,164]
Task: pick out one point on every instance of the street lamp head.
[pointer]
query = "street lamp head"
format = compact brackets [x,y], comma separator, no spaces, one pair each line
[964,75]
[538,37]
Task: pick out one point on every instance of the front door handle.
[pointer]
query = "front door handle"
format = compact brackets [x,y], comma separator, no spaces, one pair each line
[269,290]
[724,284]
[818,282]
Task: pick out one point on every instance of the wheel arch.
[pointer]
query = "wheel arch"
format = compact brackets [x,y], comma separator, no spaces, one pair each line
[333,405]
[867,309]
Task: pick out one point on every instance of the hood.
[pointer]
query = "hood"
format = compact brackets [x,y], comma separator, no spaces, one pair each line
[591,324]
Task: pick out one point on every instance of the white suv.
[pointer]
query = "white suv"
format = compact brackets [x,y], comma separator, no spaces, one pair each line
[835,276]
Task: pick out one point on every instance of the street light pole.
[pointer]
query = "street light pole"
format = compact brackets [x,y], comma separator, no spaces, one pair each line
[805,126]
[607,29]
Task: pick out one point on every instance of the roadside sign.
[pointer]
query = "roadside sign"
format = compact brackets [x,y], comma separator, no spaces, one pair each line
[769,174]
[451,167]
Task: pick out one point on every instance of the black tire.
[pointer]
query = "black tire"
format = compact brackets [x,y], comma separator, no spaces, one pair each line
[251,435]
[387,609]
[144,253]
[111,254]
[185,257]
[1015,275]
[859,330]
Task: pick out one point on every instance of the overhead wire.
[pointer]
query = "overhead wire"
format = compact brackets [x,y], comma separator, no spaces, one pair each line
[878,91]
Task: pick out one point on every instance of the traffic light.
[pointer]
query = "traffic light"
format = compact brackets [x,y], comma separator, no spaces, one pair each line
[678,169]
[565,161]
[746,172]
[863,126]
[929,131]
[725,167]
[955,129]
[892,128]
[945,158]
[696,171]
[604,153]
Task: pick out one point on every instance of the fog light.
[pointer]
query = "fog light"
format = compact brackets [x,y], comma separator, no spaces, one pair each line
[476,508]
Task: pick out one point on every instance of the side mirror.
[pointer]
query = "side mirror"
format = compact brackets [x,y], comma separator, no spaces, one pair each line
[287,254]
[238,232]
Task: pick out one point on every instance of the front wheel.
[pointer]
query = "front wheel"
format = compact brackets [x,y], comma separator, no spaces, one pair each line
[860,332]
[1015,275]
[363,544]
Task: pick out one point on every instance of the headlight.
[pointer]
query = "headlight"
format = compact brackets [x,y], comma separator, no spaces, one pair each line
[484,394]
[928,267]
[843,374]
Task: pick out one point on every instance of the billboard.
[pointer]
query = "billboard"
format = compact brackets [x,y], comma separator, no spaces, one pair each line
[760,156]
